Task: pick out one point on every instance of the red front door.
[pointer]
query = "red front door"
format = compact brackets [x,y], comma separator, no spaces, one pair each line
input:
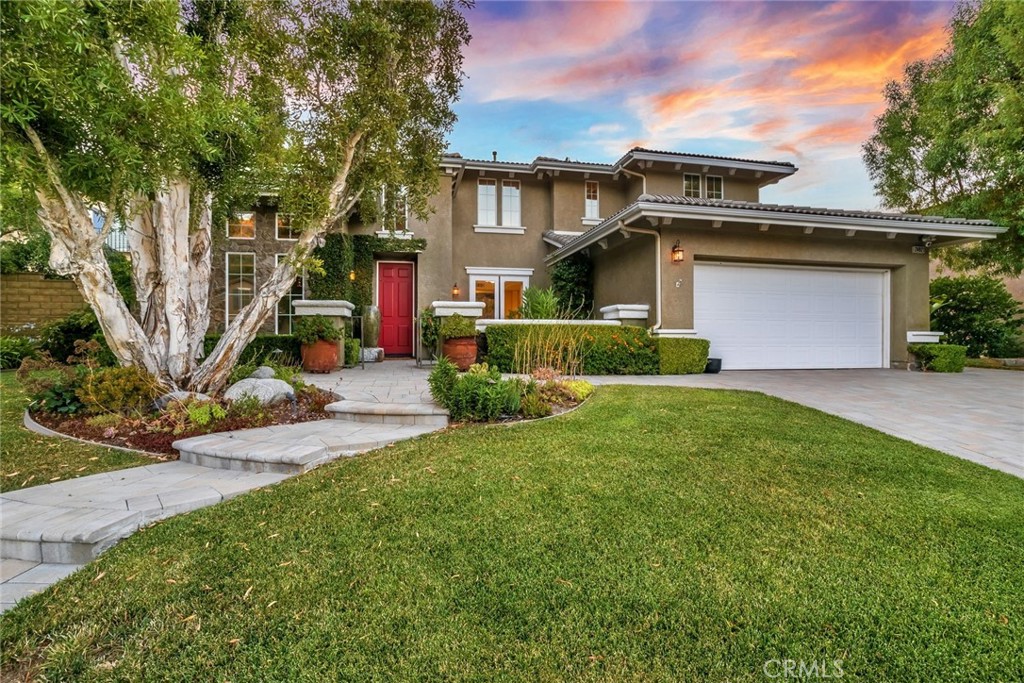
[394,297]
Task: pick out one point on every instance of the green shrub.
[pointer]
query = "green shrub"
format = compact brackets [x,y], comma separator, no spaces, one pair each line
[118,390]
[246,407]
[105,420]
[581,389]
[940,357]
[204,413]
[482,399]
[52,387]
[533,406]
[279,348]
[13,350]
[429,330]
[58,337]
[313,328]
[457,326]
[977,312]
[479,396]
[572,280]
[442,381]
[604,350]
[683,356]
[539,304]
[352,352]
[484,370]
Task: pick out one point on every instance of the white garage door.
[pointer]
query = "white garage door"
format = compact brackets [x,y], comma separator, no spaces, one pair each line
[766,318]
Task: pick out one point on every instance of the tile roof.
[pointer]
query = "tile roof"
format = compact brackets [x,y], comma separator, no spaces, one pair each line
[711,156]
[809,210]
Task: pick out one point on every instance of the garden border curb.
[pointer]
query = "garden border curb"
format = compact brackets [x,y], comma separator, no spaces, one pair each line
[39,429]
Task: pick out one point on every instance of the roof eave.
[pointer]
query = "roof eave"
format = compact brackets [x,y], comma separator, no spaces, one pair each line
[961,233]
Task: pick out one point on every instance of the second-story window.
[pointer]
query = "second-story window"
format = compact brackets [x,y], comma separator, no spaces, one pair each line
[715,186]
[285,231]
[510,209]
[591,205]
[242,226]
[691,185]
[486,202]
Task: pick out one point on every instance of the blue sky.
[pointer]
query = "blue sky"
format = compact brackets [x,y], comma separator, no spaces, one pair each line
[788,81]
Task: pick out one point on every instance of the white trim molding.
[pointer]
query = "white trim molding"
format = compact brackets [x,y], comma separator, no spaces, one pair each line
[469,309]
[500,229]
[626,312]
[481,270]
[923,337]
[337,308]
[397,234]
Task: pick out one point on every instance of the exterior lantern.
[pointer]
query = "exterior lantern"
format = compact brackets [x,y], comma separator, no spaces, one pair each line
[455,291]
[677,253]
[352,275]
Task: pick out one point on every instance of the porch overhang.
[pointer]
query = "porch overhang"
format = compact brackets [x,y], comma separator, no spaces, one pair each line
[659,210]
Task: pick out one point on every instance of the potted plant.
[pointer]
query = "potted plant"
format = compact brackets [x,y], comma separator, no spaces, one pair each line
[459,334]
[319,338]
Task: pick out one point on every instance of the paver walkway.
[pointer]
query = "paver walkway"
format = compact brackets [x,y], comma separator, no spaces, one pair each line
[50,531]
[977,415]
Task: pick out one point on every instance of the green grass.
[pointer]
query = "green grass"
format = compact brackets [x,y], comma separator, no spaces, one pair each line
[653,534]
[27,459]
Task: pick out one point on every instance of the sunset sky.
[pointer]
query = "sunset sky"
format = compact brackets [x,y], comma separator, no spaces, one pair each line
[787,81]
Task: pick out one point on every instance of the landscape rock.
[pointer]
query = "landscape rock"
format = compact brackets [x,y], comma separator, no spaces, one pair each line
[262,372]
[180,397]
[266,390]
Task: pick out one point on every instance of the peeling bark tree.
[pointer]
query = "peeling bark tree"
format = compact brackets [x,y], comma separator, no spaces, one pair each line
[168,116]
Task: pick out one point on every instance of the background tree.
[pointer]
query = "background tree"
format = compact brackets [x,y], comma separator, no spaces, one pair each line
[951,140]
[165,116]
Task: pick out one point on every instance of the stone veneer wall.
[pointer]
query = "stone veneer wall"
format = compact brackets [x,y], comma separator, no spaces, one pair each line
[28,300]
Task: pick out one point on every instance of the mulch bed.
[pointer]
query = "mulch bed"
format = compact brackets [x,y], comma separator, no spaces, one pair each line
[153,436]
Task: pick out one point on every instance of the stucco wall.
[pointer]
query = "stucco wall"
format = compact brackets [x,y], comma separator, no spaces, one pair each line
[434,275]
[671,183]
[626,276]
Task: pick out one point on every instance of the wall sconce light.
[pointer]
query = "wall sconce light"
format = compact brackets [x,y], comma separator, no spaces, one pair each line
[455,291]
[677,253]
[352,275]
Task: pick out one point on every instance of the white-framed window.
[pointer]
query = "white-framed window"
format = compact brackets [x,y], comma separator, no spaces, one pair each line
[510,207]
[240,281]
[285,231]
[241,225]
[591,199]
[691,185]
[715,186]
[285,319]
[499,289]
[487,201]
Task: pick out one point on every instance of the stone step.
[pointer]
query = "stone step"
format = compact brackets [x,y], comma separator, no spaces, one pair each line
[372,412]
[73,521]
[291,449]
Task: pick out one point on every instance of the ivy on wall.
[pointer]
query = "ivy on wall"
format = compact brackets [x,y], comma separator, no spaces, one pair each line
[572,279]
[336,254]
[342,254]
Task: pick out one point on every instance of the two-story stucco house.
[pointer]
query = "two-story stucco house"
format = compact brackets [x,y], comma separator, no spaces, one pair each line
[683,234]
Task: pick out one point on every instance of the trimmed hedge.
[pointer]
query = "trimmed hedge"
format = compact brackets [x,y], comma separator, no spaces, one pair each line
[940,357]
[606,350]
[683,356]
[263,346]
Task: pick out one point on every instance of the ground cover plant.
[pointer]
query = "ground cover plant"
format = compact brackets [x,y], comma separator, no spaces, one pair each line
[116,405]
[27,459]
[653,534]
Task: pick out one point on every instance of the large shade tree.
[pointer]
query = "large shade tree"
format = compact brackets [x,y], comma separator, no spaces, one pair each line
[951,139]
[164,115]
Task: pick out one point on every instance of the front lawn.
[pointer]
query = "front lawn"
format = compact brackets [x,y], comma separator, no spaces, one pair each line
[27,459]
[653,534]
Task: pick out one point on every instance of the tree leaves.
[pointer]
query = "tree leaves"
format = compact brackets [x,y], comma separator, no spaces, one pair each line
[951,140]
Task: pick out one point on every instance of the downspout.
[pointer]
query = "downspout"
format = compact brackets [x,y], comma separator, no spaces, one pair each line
[641,176]
[657,267]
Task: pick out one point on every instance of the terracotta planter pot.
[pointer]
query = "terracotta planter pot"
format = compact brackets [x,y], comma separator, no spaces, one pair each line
[461,351]
[320,357]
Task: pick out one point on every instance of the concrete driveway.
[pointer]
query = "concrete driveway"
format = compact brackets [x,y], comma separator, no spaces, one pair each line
[977,415]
